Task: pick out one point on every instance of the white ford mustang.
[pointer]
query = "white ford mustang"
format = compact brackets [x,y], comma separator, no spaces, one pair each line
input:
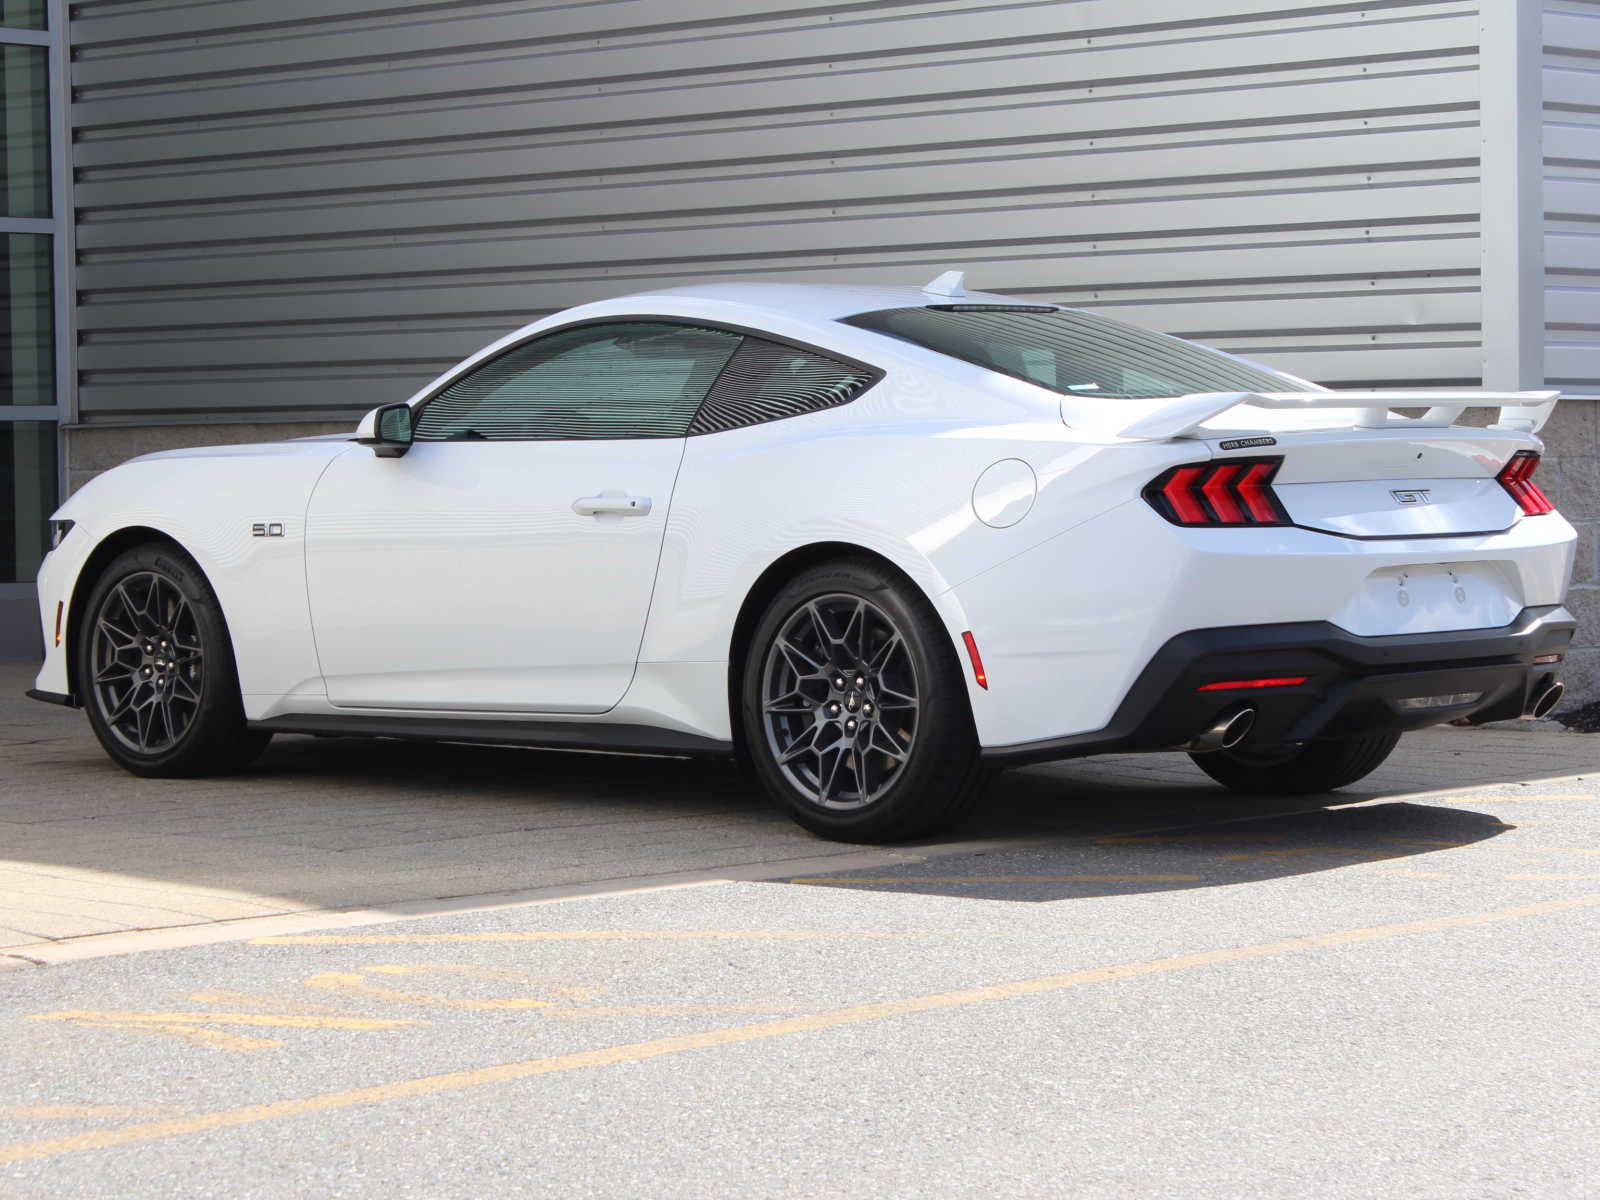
[873,541]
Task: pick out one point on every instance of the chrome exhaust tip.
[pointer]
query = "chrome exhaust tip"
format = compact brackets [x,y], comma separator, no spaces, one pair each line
[1546,701]
[1229,730]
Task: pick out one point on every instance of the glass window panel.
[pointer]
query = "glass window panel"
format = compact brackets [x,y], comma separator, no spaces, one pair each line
[27,496]
[22,14]
[27,372]
[628,379]
[24,132]
[1071,351]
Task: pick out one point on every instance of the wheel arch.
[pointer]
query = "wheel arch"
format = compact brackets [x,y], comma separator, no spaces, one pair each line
[94,566]
[772,580]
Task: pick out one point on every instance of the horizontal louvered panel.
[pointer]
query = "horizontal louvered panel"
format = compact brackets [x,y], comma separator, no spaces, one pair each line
[275,221]
[1173,117]
[1333,267]
[1571,32]
[1235,169]
[237,30]
[494,84]
[689,241]
[1202,318]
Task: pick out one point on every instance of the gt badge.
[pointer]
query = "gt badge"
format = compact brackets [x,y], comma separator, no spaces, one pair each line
[1417,497]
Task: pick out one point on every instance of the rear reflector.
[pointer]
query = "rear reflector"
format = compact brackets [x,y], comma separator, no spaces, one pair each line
[1229,685]
[1517,478]
[977,660]
[1540,660]
[1236,491]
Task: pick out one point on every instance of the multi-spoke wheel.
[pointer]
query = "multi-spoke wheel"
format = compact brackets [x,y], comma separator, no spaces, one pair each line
[855,713]
[147,662]
[156,670]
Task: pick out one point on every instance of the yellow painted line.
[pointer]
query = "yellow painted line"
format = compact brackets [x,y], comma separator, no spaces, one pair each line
[267,1020]
[86,1112]
[1304,851]
[484,971]
[580,1012]
[195,1035]
[1417,874]
[260,1003]
[578,935]
[351,984]
[1551,876]
[858,1014]
[879,880]
[1402,841]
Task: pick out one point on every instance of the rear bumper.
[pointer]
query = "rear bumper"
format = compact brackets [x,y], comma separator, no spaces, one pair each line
[1353,684]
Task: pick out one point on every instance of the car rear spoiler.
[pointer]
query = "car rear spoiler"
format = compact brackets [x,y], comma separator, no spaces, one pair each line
[1523,412]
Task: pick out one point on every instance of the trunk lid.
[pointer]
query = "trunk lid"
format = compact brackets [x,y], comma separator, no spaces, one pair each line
[1390,483]
[1352,467]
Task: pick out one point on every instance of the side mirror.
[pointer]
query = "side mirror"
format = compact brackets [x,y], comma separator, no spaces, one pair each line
[387,430]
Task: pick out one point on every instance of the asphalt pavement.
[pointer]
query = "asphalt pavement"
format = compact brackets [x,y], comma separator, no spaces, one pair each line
[1119,982]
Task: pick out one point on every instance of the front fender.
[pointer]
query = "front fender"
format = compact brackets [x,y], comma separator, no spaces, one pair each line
[210,504]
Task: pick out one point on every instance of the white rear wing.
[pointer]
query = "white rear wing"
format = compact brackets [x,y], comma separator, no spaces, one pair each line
[1522,412]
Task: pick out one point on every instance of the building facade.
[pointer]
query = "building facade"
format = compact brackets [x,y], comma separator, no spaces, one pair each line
[289,211]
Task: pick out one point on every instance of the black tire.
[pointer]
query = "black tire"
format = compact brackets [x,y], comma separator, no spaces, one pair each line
[848,784]
[156,670]
[1313,767]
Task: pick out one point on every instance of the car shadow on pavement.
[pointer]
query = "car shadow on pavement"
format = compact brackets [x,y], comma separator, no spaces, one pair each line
[1201,855]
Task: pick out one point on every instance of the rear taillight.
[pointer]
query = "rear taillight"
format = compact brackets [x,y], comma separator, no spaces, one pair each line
[1236,491]
[1517,478]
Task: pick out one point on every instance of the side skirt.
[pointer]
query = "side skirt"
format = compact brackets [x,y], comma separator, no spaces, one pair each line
[548,735]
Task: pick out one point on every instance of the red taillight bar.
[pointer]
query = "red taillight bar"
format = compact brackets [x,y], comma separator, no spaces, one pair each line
[1235,491]
[1230,685]
[1517,478]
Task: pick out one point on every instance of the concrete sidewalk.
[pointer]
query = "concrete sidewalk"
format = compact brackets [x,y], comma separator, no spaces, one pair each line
[88,852]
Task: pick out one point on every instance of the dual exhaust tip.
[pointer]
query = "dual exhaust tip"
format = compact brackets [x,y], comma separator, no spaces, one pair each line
[1545,701]
[1233,727]
[1229,730]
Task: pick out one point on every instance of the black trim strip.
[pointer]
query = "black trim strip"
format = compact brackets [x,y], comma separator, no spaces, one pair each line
[547,735]
[65,699]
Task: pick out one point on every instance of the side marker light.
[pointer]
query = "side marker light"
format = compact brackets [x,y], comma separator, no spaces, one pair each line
[977,660]
[61,607]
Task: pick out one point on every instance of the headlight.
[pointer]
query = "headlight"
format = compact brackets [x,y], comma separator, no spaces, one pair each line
[58,532]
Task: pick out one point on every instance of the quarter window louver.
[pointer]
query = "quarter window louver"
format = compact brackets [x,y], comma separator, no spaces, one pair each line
[767,382]
[627,379]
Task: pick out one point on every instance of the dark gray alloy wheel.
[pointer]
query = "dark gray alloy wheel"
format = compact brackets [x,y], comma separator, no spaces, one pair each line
[1300,769]
[156,669]
[855,713]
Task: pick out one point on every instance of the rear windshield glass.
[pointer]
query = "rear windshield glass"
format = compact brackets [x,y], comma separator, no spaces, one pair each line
[1074,352]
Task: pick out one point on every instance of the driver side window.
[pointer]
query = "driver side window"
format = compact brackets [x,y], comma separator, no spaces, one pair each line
[622,379]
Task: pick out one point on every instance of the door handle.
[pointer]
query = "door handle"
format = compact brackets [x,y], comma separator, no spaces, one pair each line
[612,506]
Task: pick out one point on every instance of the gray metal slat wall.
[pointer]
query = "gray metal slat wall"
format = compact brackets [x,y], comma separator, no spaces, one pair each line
[1571,149]
[300,209]
[1572,195]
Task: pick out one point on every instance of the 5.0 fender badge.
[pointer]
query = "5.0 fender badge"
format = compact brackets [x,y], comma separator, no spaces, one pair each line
[1245,443]
[267,529]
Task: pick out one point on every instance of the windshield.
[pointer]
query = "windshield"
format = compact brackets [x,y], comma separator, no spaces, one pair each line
[1073,352]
